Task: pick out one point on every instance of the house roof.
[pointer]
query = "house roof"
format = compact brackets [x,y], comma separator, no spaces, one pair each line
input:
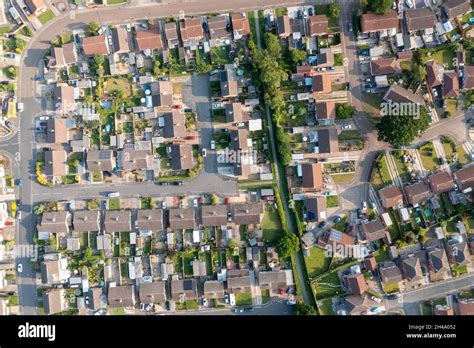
[272,279]
[440,182]
[456,8]
[450,85]
[399,94]
[339,237]
[466,307]
[370,263]
[171,31]
[149,39]
[384,66]
[213,287]
[327,140]
[95,294]
[86,220]
[120,37]
[58,56]
[373,230]
[238,139]
[468,76]
[181,218]
[93,45]
[371,22]
[181,156]
[70,53]
[162,93]
[233,112]
[325,57]
[433,76]
[389,272]
[240,24]
[283,26]
[218,27]
[411,267]
[64,98]
[238,283]
[100,160]
[54,222]
[50,271]
[132,159]
[191,28]
[56,130]
[214,215]
[121,296]
[34,5]
[443,310]
[117,221]
[175,125]
[391,196]
[154,292]
[315,207]
[229,87]
[358,304]
[150,219]
[326,110]
[459,253]
[312,175]
[439,260]
[247,213]
[53,301]
[465,177]
[55,162]
[420,18]
[417,192]
[317,25]
[356,283]
[183,287]
[321,83]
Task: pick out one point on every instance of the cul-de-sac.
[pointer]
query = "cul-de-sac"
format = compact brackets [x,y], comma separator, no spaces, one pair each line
[171,157]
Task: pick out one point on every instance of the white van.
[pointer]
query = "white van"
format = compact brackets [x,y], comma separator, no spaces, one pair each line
[113,194]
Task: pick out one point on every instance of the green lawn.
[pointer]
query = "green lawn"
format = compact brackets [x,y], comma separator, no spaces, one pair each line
[265,296]
[115,2]
[445,57]
[338,59]
[428,156]
[463,157]
[426,308]
[317,263]
[349,135]
[118,311]
[220,55]
[329,286]
[389,288]
[458,270]
[243,299]
[121,84]
[46,16]
[332,201]
[188,258]
[271,225]
[401,167]
[325,307]
[381,255]
[342,178]
[114,204]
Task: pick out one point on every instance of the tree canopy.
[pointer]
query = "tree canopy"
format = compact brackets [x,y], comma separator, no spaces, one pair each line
[287,244]
[334,10]
[297,56]
[302,308]
[379,6]
[344,111]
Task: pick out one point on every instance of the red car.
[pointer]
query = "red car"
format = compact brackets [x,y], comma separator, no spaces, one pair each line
[227,200]
[282,292]
[177,106]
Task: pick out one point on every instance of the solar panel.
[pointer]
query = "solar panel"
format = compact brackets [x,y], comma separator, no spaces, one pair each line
[223,76]
[336,235]
[187,285]
[104,155]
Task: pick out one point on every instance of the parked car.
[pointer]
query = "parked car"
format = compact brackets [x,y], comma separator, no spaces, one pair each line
[20,107]
[113,194]
[44,118]
[203,152]
[321,69]
[205,303]
[346,126]
[18,214]
[226,298]
[322,224]
[20,268]
[364,205]
[337,219]
[331,68]
[376,299]
[213,145]
[350,28]
[394,5]
[240,124]
[409,3]
[177,183]
[129,27]
[102,30]
[195,202]
[232,299]
[392,297]
[238,310]
[329,187]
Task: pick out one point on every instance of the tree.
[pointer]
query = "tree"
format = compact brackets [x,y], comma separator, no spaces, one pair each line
[272,44]
[232,244]
[344,111]
[287,244]
[156,67]
[379,6]
[334,10]
[214,199]
[402,130]
[302,308]
[92,28]
[39,209]
[297,56]
[203,68]
[419,72]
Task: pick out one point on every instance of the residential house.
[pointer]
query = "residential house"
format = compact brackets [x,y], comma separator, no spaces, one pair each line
[247,213]
[54,301]
[370,264]
[214,215]
[465,177]
[375,230]
[121,296]
[321,83]
[441,182]
[336,239]
[64,101]
[54,222]
[69,52]
[117,221]
[372,23]
[283,26]
[450,85]
[315,208]
[419,19]
[239,138]
[240,25]
[384,66]
[213,289]
[154,292]
[391,197]
[50,272]
[326,140]
[468,77]
[438,264]
[181,157]
[218,29]
[57,58]
[56,130]
[149,39]
[36,7]
[389,272]
[171,33]
[358,305]
[234,113]
[312,176]
[433,74]
[442,310]
[317,25]
[326,113]
[183,289]
[181,218]
[325,57]
[130,159]
[86,221]
[95,297]
[466,307]
[199,268]
[458,251]
[120,40]
[399,94]
[191,32]
[175,125]
[162,93]
[411,269]
[95,45]
[356,283]
[149,220]
[100,160]
[273,280]
[456,8]
[228,79]
[239,284]
[418,193]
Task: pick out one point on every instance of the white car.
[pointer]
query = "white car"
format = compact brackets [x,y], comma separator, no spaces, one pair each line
[163,205]
[364,205]
[20,107]
[326,186]
[347,126]
[409,3]
[376,299]
[240,124]
[102,30]
[129,27]
[226,298]
[232,299]
[213,145]
[44,118]
[394,5]
[203,152]
[204,302]
[20,268]
[217,105]
[113,194]
[195,202]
